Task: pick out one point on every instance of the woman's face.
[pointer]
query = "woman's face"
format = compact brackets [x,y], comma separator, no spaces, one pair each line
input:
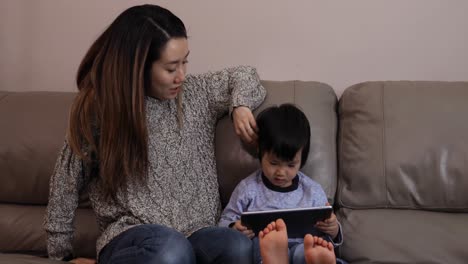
[168,73]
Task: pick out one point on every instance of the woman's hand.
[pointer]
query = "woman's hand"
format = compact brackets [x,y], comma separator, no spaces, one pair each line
[244,124]
[243,229]
[83,261]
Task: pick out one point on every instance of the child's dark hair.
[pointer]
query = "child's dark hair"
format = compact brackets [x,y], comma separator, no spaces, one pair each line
[283,130]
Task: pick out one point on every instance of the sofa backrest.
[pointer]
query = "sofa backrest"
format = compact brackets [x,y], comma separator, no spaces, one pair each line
[404,145]
[33,126]
[403,172]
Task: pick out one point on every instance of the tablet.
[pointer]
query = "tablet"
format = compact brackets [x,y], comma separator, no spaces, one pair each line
[299,221]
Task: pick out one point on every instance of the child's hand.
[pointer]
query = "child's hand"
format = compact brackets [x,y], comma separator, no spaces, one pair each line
[239,227]
[329,226]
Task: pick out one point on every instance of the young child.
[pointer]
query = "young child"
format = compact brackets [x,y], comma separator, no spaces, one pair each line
[283,147]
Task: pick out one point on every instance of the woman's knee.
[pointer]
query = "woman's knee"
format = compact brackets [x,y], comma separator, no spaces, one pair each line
[167,245]
[223,244]
[173,254]
[152,244]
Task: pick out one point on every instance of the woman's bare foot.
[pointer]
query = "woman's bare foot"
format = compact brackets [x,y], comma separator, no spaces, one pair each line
[318,251]
[274,243]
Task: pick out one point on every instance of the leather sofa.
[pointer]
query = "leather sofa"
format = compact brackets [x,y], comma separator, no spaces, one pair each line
[391,156]
[403,178]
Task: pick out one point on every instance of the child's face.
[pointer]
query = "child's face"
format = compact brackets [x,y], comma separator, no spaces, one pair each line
[279,172]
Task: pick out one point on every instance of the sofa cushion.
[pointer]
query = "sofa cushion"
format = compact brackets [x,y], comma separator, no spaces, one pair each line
[318,101]
[22,232]
[404,145]
[33,131]
[404,236]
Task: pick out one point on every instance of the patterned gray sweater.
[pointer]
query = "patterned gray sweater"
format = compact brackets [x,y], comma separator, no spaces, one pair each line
[182,187]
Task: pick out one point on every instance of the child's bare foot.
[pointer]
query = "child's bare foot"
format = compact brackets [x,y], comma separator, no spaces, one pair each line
[318,251]
[274,243]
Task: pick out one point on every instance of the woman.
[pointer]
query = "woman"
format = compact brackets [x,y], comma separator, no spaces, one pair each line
[141,142]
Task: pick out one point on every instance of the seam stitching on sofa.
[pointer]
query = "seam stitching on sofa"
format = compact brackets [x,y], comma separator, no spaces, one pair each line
[341,102]
[333,142]
[294,92]
[384,165]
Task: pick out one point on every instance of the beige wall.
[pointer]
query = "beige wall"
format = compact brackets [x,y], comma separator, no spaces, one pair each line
[336,42]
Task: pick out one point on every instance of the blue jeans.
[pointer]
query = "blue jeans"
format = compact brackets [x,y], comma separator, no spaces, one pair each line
[159,244]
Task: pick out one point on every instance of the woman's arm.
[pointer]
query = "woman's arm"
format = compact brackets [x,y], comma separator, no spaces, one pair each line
[229,88]
[65,185]
[237,90]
